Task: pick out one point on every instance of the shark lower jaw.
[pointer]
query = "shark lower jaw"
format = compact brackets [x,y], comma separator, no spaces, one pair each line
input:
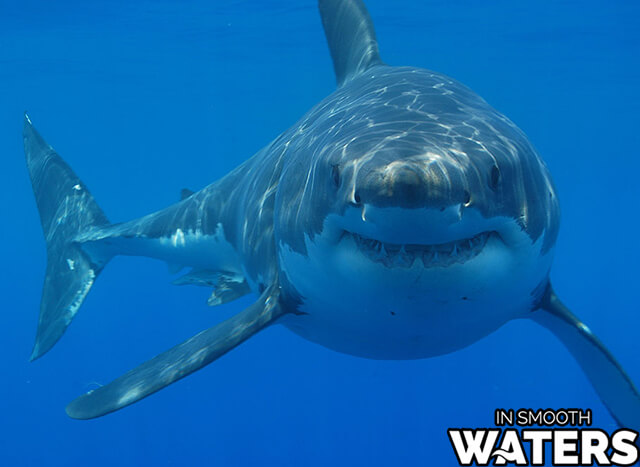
[394,255]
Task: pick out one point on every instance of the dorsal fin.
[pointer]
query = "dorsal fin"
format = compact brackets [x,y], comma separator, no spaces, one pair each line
[185,193]
[351,37]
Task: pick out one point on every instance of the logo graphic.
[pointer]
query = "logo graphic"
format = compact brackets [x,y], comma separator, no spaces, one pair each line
[564,434]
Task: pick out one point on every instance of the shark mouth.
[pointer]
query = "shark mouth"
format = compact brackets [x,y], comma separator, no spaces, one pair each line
[437,255]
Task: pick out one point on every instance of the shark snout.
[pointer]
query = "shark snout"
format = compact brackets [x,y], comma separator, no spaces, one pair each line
[413,185]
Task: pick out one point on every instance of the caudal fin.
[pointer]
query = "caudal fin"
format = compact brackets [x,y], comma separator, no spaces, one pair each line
[66,209]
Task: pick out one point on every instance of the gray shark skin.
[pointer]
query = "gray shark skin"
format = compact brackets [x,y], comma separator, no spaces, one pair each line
[402,217]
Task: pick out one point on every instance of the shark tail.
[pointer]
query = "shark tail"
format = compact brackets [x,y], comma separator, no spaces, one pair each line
[66,209]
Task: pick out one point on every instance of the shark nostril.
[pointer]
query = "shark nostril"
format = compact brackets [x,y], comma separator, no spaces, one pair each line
[335,175]
[494,177]
[466,198]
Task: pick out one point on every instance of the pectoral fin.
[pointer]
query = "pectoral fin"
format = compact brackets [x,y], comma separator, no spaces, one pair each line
[613,385]
[180,361]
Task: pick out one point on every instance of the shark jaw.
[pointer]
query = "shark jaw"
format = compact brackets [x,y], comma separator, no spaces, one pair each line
[397,291]
[429,255]
[420,238]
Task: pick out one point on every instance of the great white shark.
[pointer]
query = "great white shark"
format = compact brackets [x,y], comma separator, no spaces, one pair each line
[401,218]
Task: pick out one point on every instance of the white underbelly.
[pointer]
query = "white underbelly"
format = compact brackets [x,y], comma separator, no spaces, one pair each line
[184,249]
[362,308]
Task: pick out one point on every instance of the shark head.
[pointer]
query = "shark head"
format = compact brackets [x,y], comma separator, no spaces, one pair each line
[413,199]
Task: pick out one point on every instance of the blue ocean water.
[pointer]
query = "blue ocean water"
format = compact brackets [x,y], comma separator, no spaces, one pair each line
[144,98]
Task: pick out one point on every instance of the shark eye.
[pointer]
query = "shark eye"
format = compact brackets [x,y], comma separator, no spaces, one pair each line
[335,175]
[494,177]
